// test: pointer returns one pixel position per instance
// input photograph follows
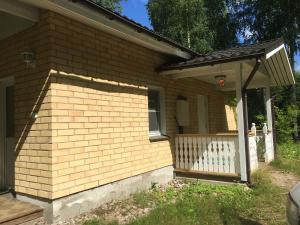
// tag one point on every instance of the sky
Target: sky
(136, 10)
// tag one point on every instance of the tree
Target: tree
(114, 5)
(202, 25)
(268, 19)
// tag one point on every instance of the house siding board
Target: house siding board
(91, 132)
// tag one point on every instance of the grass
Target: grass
(199, 204)
(288, 158)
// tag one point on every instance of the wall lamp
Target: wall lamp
(29, 59)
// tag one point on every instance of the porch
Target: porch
(231, 153)
(218, 154)
(13, 211)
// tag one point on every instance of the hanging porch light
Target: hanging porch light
(220, 79)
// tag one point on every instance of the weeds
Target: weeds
(198, 204)
(288, 158)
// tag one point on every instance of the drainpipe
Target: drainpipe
(245, 115)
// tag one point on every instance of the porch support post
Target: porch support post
(240, 122)
(268, 107)
(268, 102)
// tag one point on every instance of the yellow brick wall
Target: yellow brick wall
(100, 108)
(33, 137)
(230, 109)
(90, 91)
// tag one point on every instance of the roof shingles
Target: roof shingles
(231, 54)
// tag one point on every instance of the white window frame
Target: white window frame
(162, 130)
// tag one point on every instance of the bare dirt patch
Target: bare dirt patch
(282, 179)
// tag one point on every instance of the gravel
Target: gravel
(121, 211)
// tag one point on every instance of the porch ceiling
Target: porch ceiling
(15, 17)
(275, 69)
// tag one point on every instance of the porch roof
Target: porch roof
(275, 64)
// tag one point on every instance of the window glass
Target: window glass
(154, 112)
(10, 120)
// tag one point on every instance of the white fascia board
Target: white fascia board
(19, 9)
(200, 68)
(289, 66)
(95, 19)
(271, 53)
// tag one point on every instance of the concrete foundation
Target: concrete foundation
(73, 205)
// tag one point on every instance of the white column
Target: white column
(240, 121)
(268, 107)
(269, 136)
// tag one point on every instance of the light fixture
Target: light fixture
(220, 79)
(29, 59)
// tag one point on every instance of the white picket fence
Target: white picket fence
(212, 153)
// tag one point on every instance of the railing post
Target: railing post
(253, 129)
(265, 129)
(268, 145)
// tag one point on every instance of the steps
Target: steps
(13, 211)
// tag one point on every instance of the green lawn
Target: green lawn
(288, 158)
(199, 203)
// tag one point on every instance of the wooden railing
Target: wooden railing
(208, 153)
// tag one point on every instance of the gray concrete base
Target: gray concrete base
(73, 205)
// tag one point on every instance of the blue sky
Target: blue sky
(136, 10)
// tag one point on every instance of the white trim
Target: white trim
(162, 111)
(19, 9)
(273, 52)
(289, 65)
(93, 18)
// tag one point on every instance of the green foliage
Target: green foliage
(98, 222)
(256, 107)
(202, 25)
(288, 157)
(142, 199)
(286, 110)
(284, 123)
(200, 203)
(114, 5)
(92, 222)
(265, 20)
(261, 150)
(268, 19)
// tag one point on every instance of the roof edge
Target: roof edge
(139, 28)
(212, 63)
(275, 43)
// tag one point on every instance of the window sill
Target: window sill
(158, 138)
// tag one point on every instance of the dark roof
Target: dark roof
(138, 27)
(231, 54)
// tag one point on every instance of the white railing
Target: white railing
(209, 153)
(253, 152)
(264, 141)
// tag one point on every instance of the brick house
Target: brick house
(92, 105)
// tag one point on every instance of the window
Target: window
(156, 111)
